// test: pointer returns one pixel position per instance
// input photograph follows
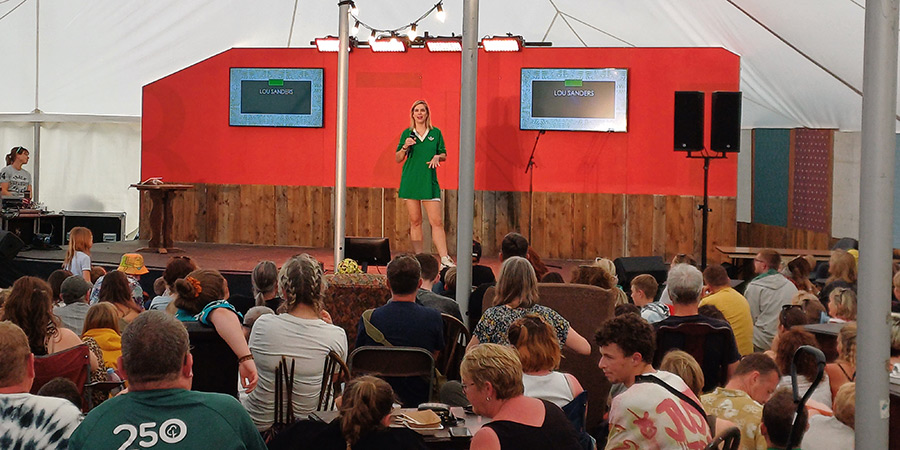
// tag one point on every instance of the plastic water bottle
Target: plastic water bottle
(111, 375)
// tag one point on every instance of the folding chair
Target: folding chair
(456, 337)
(334, 375)
(395, 362)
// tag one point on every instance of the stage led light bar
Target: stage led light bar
(444, 45)
(502, 44)
(388, 45)
(328, 44)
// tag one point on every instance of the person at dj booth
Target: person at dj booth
(15, 182)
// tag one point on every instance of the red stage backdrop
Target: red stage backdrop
(186, 136)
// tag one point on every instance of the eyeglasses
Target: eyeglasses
(465, 386)
(787, 307)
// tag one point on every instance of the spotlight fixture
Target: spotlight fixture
(507, 43)
(441, 15)
(388, 44)
(444, 44)
(355, 29)
(411, 33)
(328, 44)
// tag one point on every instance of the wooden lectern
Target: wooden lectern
(161, 215)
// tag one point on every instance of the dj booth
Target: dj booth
(53, 228)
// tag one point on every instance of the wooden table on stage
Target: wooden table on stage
(161, 215)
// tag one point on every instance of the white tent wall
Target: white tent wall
(845, 184)
(745, 177)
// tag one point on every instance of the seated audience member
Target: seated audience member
(841, 274)
(628, 308)
(741, 400)
(766, 294)
(681, 258)
(843, 305)
(19, 427)
(538, 348)
(74, 293)
(626, 350)
(895, 339)
(264, 279)
(601, 273)
(199, 297)
(403, 323)
(30, 309)
(159, 287)
(778, 416)
(250, 318)
(102, 326)
(790, 316)
(720, 354)
(449, 288)
(157, 362)
(63, 388)
(115, 290)
(132, 265)
(798, 271)
(788, 343)
(96, 273)
(513, 244)
(517, 295)
(55, 281)
(810, 305)
(363, 423)
(643, 291)
(481, 274)
(553, 277)
(843, 369)
(424, 295)
(303, 333)
(712, 312)
(827, 433)
(492, 381)
(177, 267)
(732, 304)
(895, 299)
(540, 269)
(684, 365)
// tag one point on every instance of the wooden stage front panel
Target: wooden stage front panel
(559, 225)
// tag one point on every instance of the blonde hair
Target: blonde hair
(842, 266)
(517, 280)
(685, 366)
(412, 121)
(80, 240)
(536, 342)
(301, 281)
(365, 402)
(810, 305)
(845, 404)
(847, 338)
(102, 315)
(264, 279)
(495, 364)
(843, 301)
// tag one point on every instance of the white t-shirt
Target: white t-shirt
(80, 262)
(18, 180)
(52, 421)
(552, 387)
(308, 342)
(827, 433)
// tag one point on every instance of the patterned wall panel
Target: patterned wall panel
(811, 179)
(771, 176)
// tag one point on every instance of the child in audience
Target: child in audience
(643, 291)
(78, 255)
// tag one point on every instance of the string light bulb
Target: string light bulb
(355, 30)
(354, 10)
(441, 15)
(411, 34)
(372, 38)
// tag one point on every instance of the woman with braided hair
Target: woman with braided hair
(199, 297)
(303, 333)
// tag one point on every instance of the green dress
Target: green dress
(418, 181)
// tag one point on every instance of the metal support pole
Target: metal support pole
(467, 107)
(704, 231)
(340, 155)
(36, 136)
(879, 110)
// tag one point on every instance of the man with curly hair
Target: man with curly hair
(649, 414)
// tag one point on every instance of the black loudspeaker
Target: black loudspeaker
(10, 244)
(688, 121)
(629, 267)
(725, 127)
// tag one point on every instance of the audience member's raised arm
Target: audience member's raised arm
(229, 328)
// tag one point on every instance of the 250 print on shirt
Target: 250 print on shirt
(171, 431)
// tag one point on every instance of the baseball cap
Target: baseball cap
(73, 288)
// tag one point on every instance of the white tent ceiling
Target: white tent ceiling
(95, 55)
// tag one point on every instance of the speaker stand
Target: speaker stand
(704, 207)
(529, 169)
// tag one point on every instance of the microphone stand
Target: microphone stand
(530, 167)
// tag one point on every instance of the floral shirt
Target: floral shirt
(738, 408)
(494, 324)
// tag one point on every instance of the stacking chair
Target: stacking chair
(695, 338)
(456, 337)
(334, 375)
(215, 365)
(729, 439)
(391, 363)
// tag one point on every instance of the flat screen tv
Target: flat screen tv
(275, 97)
(574, 99)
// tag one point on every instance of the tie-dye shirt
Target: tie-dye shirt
(31, 421)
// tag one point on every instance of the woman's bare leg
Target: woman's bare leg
(413, 207)
(438, 236)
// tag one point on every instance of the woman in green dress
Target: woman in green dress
(421, 150)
